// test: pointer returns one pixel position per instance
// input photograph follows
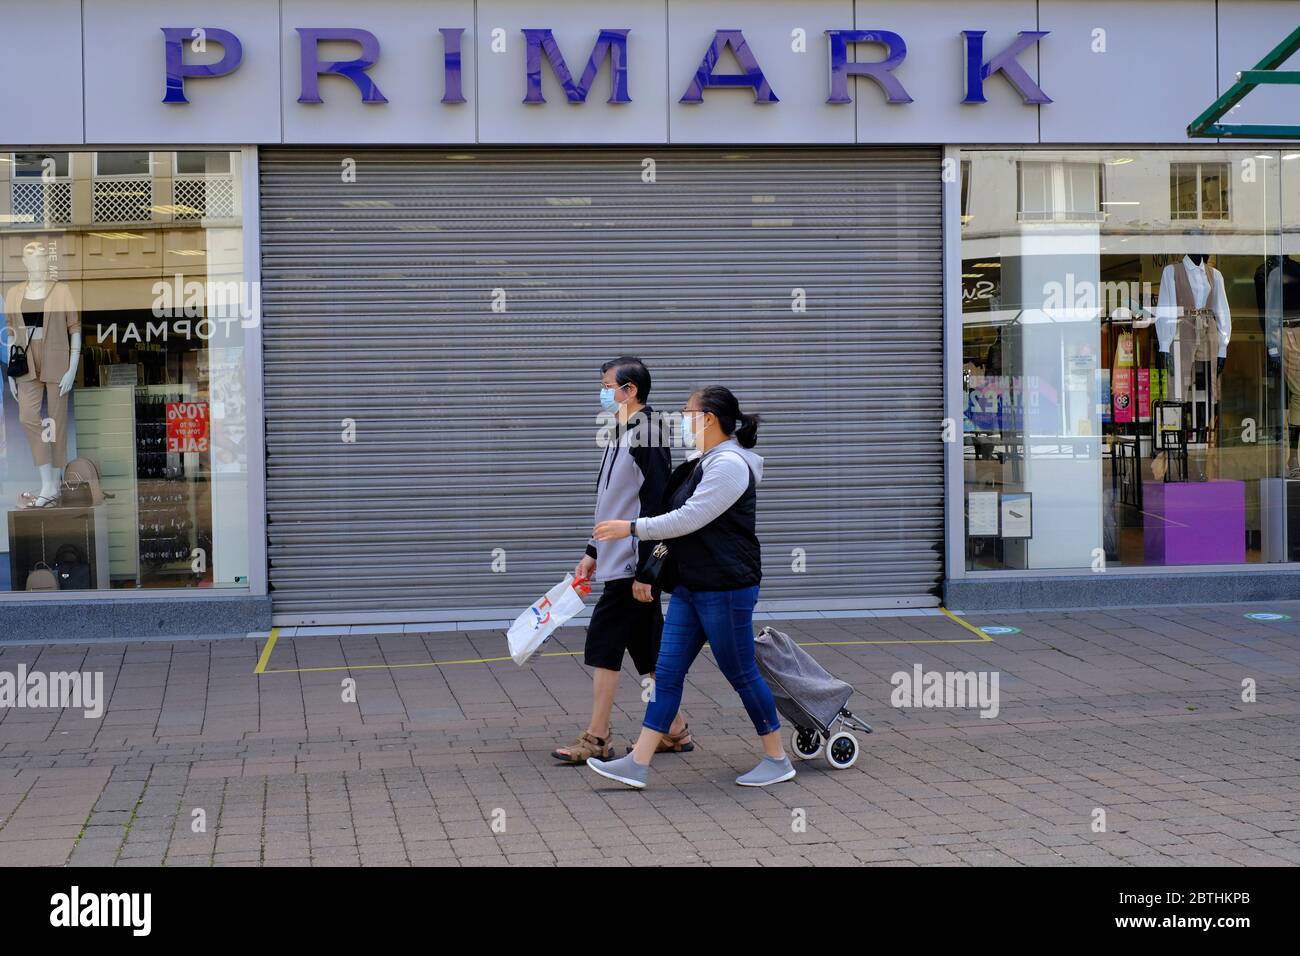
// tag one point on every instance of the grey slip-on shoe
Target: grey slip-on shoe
(768, 772)
(625, 770)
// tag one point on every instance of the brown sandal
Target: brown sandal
(676, 743)
(587, 745)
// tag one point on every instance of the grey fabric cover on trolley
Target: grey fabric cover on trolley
(799, 684)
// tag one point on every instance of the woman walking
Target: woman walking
(709, 532)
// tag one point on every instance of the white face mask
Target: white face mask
(690, 436)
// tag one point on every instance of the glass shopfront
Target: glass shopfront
(123, 460)
(1131, 357)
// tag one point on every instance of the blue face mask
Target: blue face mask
(607, 400)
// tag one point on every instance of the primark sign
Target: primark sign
(336, 73)
(193, 54)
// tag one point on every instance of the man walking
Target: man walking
(628, 616)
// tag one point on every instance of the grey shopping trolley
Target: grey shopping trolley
(810, 698)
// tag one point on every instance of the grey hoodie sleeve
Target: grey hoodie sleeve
(726, 476)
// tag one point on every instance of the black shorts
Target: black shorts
(622, 623)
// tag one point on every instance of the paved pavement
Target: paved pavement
(1137, 713)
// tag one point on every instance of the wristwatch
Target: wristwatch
(632, 530)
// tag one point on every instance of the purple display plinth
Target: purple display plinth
(1194, 522)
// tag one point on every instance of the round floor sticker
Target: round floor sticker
(1267, 616)
(999, 629)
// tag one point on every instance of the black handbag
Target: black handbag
(18, 366)
(658, 570)
(71, 569)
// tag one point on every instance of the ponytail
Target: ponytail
(747, 430)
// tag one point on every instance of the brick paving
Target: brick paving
(1137, 712)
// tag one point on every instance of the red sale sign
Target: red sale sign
(187, 427)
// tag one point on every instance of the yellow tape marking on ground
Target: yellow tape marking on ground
(266, 651)
(986, 638)
(936, 640)
(980, 638)
(393, 667)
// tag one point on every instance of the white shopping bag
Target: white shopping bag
(534, 626)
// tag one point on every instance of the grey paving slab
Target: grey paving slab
(1134, 716)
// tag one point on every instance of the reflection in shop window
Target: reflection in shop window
(203, 187)
(965, 191)
(122, 188)
(1060, 192)
(123, 461)
(41, 190)
(1199, 190)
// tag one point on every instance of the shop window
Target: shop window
(1059, 192)
(1131, 382)
(1199, 190)
(122, 443)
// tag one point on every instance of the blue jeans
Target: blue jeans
(725, 619)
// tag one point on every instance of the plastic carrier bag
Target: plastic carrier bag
(531, 629)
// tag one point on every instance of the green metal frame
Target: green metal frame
(1265, 71)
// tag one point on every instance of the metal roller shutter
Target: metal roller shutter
(475, 429)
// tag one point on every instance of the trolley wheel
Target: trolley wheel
(806, 744)
(842, 750)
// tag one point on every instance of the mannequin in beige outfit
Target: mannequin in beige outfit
(53, 355)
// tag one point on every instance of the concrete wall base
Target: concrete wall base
(126, 619)
(1120, 590)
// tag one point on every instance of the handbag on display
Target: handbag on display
(18, 366)
(71, 569)
(75, 494)
(81, 484)
(42, 578)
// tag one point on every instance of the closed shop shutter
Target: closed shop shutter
(434, 332)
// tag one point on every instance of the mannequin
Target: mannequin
(1193, 308)
(1194, 325)
(40, 313)
(1277, 294)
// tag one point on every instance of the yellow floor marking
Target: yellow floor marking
(266, 651)
(970, 627)
(936, 640)
(980, 638)
(393, 667)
